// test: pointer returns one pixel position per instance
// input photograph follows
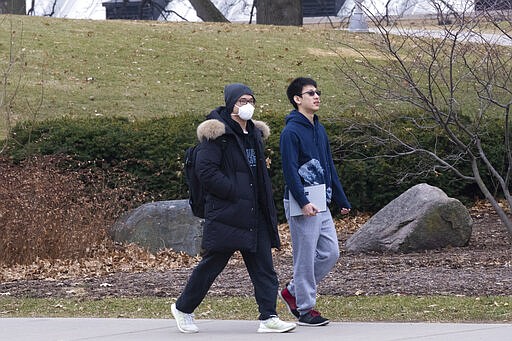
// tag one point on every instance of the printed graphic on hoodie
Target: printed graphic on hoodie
(251, 156)
(313, 174)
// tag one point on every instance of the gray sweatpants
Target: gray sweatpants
(315, 252)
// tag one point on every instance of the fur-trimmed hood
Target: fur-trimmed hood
(214, 128)
(223, 167)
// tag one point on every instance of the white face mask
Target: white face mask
(245, 112)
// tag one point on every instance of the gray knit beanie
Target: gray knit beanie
(232, 92)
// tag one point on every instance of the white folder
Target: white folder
(315, 195)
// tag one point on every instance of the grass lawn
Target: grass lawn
(355, 308)
(142, 69)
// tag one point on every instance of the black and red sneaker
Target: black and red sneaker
(289, 301)
(312, 318)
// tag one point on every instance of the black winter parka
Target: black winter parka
(231, 217)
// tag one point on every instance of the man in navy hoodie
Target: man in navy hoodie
(307, 161)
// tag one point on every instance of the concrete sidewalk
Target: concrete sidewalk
(72, 329)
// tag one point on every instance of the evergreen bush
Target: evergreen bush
(152, 151)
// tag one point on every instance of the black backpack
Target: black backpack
(197, 194)
(195, 188)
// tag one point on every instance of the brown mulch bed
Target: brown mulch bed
(482, 268)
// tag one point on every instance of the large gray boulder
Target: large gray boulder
(421, 218)
(160, 225)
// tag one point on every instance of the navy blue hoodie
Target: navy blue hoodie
(307, 160)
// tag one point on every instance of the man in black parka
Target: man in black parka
(239, 210)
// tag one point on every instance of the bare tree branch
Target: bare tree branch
(207, 11)
(458, 79)
(12, 73)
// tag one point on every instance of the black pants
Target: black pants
(259, 266)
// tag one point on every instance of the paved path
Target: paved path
(489, 38)
(72, 329)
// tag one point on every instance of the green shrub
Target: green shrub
(373, 182)
(152, 151)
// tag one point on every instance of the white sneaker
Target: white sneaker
(185, 322)
(275, 325)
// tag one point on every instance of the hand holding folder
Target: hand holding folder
(315, 194)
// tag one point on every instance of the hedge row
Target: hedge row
(152, 150)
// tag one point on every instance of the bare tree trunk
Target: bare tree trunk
(387, 13)
(207, 11)
(492, 200)
(31, 10)
(279, 12)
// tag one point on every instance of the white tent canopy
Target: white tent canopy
(76, 9)
(239, 10)
(93, 9)
(406, 7)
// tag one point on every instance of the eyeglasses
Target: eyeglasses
(244, 101)
(312, 93)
